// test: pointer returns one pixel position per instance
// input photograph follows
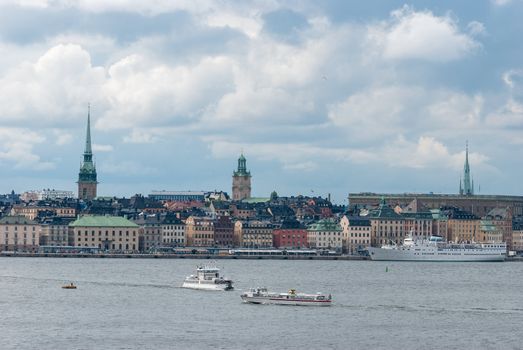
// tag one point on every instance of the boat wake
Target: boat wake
(87, 282)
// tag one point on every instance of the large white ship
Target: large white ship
(435, 249)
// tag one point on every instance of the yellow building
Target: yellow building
(325, 234)
(517, 237)
(199, 232)
(253, 234)
(356, 233)
(489, 232)
(112, 233)
(18, 233)
(386, 225)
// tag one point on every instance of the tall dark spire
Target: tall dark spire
(88, 149)
(88, 169)
(467, 184)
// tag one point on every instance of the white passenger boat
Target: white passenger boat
(263, 296)
(435, 249)
(207, 278)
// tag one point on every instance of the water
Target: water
(137, 304)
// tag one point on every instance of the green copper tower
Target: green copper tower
(87, 180)
(241, 181)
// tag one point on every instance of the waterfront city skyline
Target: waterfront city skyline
(322, 99)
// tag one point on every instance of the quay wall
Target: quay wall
(179, 256)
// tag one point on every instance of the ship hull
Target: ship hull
(380, 254)
(279, 301)
(206, 286)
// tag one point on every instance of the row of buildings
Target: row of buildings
(288, 222)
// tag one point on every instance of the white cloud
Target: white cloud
(510, 114)
(102, 148)
(385, 111)
(54, 89)
(422, 35)
(427, 152)
(16, 148)
(142, 92)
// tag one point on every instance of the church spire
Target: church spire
(87, 179)
(467, 185)
(88, 149)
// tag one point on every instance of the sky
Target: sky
(322, 97)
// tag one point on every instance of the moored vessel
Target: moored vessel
(263, 296)
(435, 249)
(207, 278)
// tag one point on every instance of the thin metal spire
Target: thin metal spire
(88, 149)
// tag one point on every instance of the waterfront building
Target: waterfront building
(150, 232)
(106, 232)
(224, 231)
(325, 234)
(517, 235)
(241, 181)
(356, 233)
(18, 233)
(199, 231)
(253, 234)
(386, 225)
(418, 224)
(290, 234)
(489, 232)
(462, 226)
(55, 231)
(87, 178)
(440, 224)
(502, 219)
(173, 231)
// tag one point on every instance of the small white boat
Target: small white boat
(207, 278)
(263, 296)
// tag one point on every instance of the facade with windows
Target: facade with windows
(290, 234)
(55, 231)
(325, 234)
(199, 232)
(173, 232)
(253, 234)
(18, 233)
(112, 233)
(356, 233)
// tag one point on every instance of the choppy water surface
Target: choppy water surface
(137, 304)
